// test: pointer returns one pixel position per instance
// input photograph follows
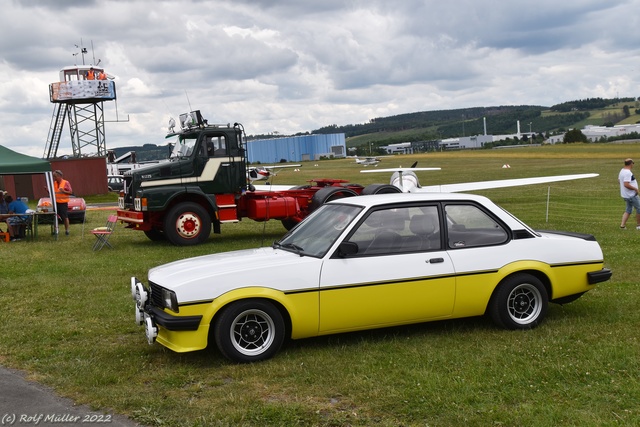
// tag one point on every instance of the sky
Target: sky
(289, 66)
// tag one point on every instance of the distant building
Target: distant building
(466, 142)
(297, 148)
(597, 133)
(401, 148)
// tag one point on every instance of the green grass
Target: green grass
(67, 321)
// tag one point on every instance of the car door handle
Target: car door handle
(435, 260)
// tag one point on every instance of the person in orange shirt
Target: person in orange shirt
(91, 75)
(63, 190)
(102, 75)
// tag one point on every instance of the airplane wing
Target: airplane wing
(503, 183)
(391, 170)
(281, 166)
(273, 187)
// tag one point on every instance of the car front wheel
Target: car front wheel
(520, 302)
(249, 331)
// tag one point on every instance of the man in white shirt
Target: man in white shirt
(629, 192)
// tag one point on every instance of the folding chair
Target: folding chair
(103, 233)
(25, 224)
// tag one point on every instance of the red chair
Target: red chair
(103, 233)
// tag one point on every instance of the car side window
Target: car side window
(398, 230)
(469, 226)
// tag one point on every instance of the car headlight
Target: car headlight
(169, 300)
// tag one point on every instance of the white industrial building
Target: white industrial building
(596, 133)
(401, 148)
(478, 141)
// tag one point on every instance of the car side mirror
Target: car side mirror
(347, 248)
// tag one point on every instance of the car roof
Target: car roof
(385, 199)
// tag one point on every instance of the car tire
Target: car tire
(249, 331)
(519, 302)
(187, 224)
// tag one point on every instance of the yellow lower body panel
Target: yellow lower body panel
(301, 308)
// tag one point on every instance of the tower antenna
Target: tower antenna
(189, 102)
(83, 51)
(93, 54)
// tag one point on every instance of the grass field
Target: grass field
(67, 321)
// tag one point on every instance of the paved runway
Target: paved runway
(26, 403)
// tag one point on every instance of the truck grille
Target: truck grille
(128, 195)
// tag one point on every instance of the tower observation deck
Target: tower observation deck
(78, 99)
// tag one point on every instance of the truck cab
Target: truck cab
(181, 198)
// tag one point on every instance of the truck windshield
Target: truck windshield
(183, 146)
(318, 232)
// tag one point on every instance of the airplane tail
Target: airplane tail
(406, 180)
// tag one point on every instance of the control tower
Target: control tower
(78, 99)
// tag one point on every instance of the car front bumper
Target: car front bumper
(155, 319)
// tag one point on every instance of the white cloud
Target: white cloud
(295, 65)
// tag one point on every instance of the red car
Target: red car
(77, 208)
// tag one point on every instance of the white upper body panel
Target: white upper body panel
(207, 277)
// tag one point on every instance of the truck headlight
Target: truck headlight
(169, 300)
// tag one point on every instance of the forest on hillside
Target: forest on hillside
(464, 122)
(441, 124)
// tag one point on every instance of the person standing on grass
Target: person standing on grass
(63, 190)
(629, 192)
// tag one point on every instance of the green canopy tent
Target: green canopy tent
(13, 163)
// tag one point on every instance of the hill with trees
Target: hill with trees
(442, 124)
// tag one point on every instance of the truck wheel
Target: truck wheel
(519, 302)
(289, 223)
(155, 235)
(249, 331)
(187, 224)
(380, 189)
(328, 194)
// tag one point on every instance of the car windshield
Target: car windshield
(183, 146)
(318, 232)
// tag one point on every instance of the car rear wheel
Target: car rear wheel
(249, 331)
(520, 302)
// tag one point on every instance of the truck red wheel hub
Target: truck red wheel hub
(188, 225)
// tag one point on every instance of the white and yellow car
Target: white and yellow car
(368, 262)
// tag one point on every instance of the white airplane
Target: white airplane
(261, 173)
(407, 181)
(366, 161)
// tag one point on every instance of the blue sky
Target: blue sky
(296, 65)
